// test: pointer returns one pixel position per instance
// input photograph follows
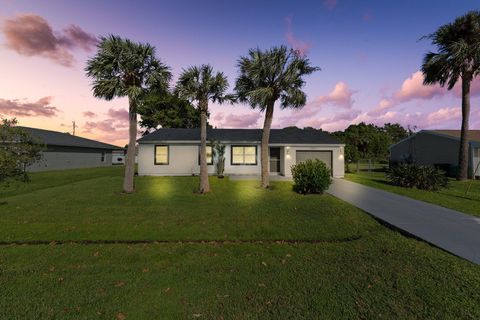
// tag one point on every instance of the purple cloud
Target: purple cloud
(413, 88)
(248, 120)
(31, 35)
(298, 45)
(89, 114)
(341, 97)
(40, 108)
(118, 114)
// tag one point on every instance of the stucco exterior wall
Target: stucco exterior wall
(60, 158)
(183, 160)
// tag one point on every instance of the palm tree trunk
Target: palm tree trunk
(128, 180)
(204, 184)
(265, 140)
(463, 153)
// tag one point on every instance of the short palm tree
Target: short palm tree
(123, 68)
(268, 76)
(201, 85)
(458, 57)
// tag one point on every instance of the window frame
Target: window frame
(243, 146)
(103, 157)
(208, 163)
(155, 155)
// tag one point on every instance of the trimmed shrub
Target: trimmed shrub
(311, 176)
(416, 176)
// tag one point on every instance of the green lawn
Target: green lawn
(237, 253)
(453, 197)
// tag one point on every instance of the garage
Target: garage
(324, 155)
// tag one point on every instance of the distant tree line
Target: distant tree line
(370, 142)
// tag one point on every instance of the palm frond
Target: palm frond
(276, 73)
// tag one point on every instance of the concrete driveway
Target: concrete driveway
(448, 229)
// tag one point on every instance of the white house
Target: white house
(176, 151)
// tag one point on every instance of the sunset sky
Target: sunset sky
(369, 53)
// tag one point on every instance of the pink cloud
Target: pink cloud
(443, 118)
(31, 35)
(89, 114)
(413, 88)
(118, 114)
(337, 121)
(107, 130)
(442, 115)
(330, 4)
(218, 117)
(104, 125)
(340, 96)
(40, 108)
(247, 120)
(298, 45)
(113, 129)
(74, 36)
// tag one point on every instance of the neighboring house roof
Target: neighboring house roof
(473, 135)
(288, 135)
(54, 138)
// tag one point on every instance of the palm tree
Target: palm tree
(123, 68)
(201, 85)
(267, 76)
(458, 57)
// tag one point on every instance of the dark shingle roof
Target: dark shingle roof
(289, 135)
(473, 135)
(54, 138)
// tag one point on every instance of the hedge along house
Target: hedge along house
(438, 148)
(65, 151)
(177, 151)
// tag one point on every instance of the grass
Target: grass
(453, 197)
(239, 252)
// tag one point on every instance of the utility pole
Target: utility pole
(74, 126)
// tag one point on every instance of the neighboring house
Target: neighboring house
(177, 151)
(439, 148)
(65, 151)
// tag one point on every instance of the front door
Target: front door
(275, 160)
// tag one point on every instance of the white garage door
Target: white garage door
(325, 156)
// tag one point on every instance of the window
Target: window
(209, 155)
(103, 157)
(161, 155)
(244, 155)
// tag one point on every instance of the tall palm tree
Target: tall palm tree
(123, 68)
(458, 57)
(201, 85)
(268, 76)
